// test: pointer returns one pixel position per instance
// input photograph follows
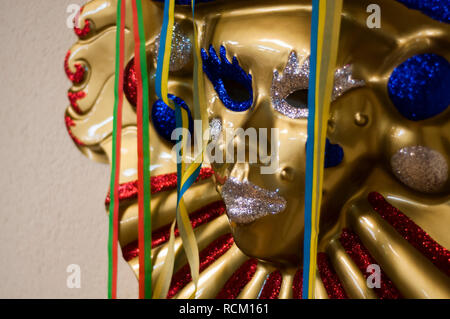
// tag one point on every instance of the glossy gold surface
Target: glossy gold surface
(401, 262)
(351, 277)
(261, 34)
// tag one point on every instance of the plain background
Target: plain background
(52, 210)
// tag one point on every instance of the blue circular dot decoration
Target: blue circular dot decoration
(419, 87)
(334, 154)
(163, 117)
(436, 9)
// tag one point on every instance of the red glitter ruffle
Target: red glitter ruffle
(130, 83)
(81, 33)
(238, 280)
(362, 258)
(207, 256)
(85, 31)
(160, 183)
(77, 76)
(272, 286)
(329, 278)
(297, 285)
(161, 235)
(70, 123)
(411, 232)
(74, 97)
(87, 26)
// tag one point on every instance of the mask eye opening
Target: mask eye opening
(298, 99)
(289, 89)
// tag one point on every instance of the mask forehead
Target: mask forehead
(257, 37)
(262, 37)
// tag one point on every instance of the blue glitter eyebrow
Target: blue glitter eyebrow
(218, 68)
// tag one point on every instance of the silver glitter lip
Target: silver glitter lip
(247, 202)
(296, 77)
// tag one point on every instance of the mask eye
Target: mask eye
(236, 90)
(290, 88)
(231, 82)
(298, 99)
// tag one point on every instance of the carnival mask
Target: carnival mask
(386, 190)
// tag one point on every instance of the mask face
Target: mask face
(257, 77)
(267, 222)
(388, 134)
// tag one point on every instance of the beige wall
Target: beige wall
(51, 197)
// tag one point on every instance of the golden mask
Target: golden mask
(386, 189)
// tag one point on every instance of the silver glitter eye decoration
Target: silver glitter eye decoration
(181, 53)
(344, 81)
(290, 88)
(293, 78)
(420, 168)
